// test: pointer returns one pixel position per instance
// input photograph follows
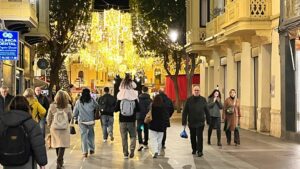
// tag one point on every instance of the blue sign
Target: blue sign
(9, 45)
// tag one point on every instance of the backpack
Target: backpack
(102, 102)
(127, 107)
(60, 120)
(15, 148)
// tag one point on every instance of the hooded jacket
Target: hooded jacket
(15, 118)
(144, 105)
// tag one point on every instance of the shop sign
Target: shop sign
(9, 45)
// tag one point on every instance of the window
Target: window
(297, 44)
(204, 12)
(20, 62)
(292, 8)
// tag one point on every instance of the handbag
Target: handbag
(183, 134)
(97, 114)
(230, 110)
(72, 128)
(148, 117)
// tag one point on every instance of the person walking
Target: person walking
(37, 110)
(5, 98)
(144, 105)
(231, 116)
(19, 115)
(214, 106)
(84, 113)
(170, 110)
(43, 100)
(194, 114)
(107, 104)
(158, 124)
(58, 118)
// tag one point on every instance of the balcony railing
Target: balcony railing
(196, 35)
(19, 10)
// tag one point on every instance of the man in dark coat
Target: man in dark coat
(170, 110)
(194, 113)
(107, 104)
(144, 105)
(43, 100)
(5, 98)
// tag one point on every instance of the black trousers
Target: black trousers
(139, 132)
(163, 143)
(60, 156)
(236, 136)
(197, 138)
(215, 123)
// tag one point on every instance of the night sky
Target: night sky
(105, 4)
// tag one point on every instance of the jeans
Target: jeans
(87, 138)
(197, 138)
(139, 131)
(125, 129)
(107, 126)
(156, 140)
(215, 121)
(42, 124)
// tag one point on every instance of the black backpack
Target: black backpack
(15, 148)
(102, 102)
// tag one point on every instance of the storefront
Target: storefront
(289, 29)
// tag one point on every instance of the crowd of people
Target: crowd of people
(142, 117)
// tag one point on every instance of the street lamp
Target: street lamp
(173, 35)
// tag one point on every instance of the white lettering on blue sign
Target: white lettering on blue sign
(9, 45)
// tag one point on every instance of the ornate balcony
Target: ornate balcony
(19, 12)
(195, 39)
(241, 17)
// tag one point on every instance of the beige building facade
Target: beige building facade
(31, 20)
(240, 43)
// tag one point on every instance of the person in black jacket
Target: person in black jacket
(170, 110)
(158, 125)
(128, 126)
(43, 100)
(107, 104)
(19, 114)
(144, 105)
(5, 98)
(195, 111)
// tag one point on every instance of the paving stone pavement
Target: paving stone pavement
(256, 151)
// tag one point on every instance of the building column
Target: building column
(231, 72)
(203, 77)
(217, 80)
(247, 88)
(264, 97)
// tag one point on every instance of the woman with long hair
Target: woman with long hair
(60, 112)
(19, 113)
(84, 113)
(214, 106)
(232, 115)
(158, 125)
(37, 110)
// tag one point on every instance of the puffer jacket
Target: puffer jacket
(37, 110)
(144, 105)
(15, 118)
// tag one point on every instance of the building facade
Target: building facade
(31, 19)
(240, 41)
(290, 63)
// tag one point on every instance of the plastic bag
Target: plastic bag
(183, 134)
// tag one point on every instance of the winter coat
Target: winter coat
(144, 105)
(110, 104)
(59, 138)
(15, 118)
(127, 92)
(37, 110)
(127, 118)
(195, 111)
(214, 107)
(160, 118)
(85, 112)
(43, 100)
(232, 120)
(4, 103)
(169, 106)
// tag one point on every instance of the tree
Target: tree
(192, 61)
(68, 31)
(152, 21)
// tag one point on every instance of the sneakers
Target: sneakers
(105, 140)
(155, 155)
(92, 152)
(85, 155)
(125, 156)
(140, 147)
(131, 155)
(145, 146)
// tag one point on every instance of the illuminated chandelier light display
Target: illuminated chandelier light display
(111, 46)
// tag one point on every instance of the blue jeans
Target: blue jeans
(87, 137)
(107, 126)
(42, 126)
